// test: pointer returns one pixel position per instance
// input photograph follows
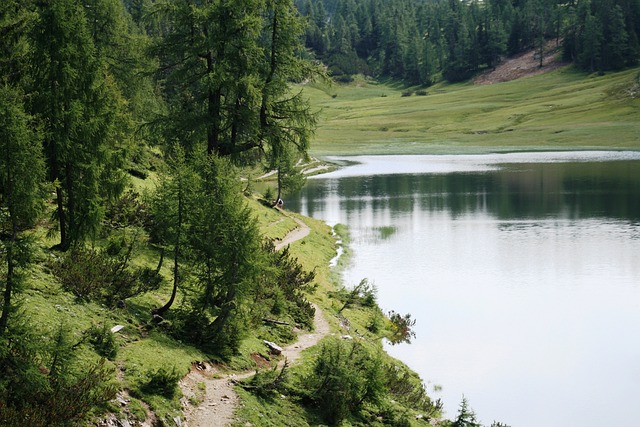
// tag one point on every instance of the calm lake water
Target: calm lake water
(522, 271)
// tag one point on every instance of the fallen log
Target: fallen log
(275, 321)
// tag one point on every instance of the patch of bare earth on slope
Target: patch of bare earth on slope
(523, 65)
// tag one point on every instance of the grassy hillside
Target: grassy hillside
(563, 109)
(145, 361)
(558, 110)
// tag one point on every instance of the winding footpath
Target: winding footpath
(216, 390)
(297, 233)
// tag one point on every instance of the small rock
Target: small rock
(273, 347)
(117, 328)
(121, 400)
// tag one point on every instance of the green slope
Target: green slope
(563, 109)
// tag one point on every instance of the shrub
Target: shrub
(407, 388)
(346, 376)
(421, 92)
(194, 326)
(282, 290)
(401, 328)
(363, 294)
(41, 382)
(94, 275)
(267, 383)
(103, 341)
(162, 382)
(116, 244)
(407, 93)
(128, 210)
(376, 321)
(268, 194)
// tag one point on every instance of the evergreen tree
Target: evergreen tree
(286, 120)
(208, 60)
(79, 106)
(466, 417)
(225, 250)
(590, 44)
(227, 66)
(616, 51)
(21, 195)
(171, 204)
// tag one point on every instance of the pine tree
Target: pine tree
(79, 106)
(286, 119)
(171, 204)
(466, 417)
(21, 195)
(224, 246)
(590, 45)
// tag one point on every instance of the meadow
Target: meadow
(561, 110)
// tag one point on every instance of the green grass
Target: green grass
(563, 109)
(144, 347)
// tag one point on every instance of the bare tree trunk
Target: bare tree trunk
(6, 305)
(176, 263)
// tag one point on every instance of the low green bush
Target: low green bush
(94, 275)
(163, 382)
(103, 341)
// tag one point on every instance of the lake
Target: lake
(522, 271)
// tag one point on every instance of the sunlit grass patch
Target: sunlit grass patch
(563, 109)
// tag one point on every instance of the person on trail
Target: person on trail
(280, 203)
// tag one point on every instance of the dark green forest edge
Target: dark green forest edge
(421, 42)
(132, 241)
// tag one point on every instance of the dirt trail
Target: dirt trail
(215, 389)
(219, 400)
(298, 233)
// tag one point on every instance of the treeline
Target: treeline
(420, 41)
(95, 92)
(97, 81)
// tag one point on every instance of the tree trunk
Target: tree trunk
(6, 305)
(213, 99)
(225, 313)
(161, 260)
(176, 264)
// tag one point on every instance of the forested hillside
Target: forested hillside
(124, 128)
(419, 41)
(129, 245)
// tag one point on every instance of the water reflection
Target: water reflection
(564, 190)
(523, 277)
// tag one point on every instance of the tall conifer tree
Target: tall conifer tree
(78, 104)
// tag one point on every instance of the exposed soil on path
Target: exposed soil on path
(215, 389)
(298, 233)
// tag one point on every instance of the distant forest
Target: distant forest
(420, 40)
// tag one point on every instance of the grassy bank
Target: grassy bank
(145, 360)
(563, 109)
